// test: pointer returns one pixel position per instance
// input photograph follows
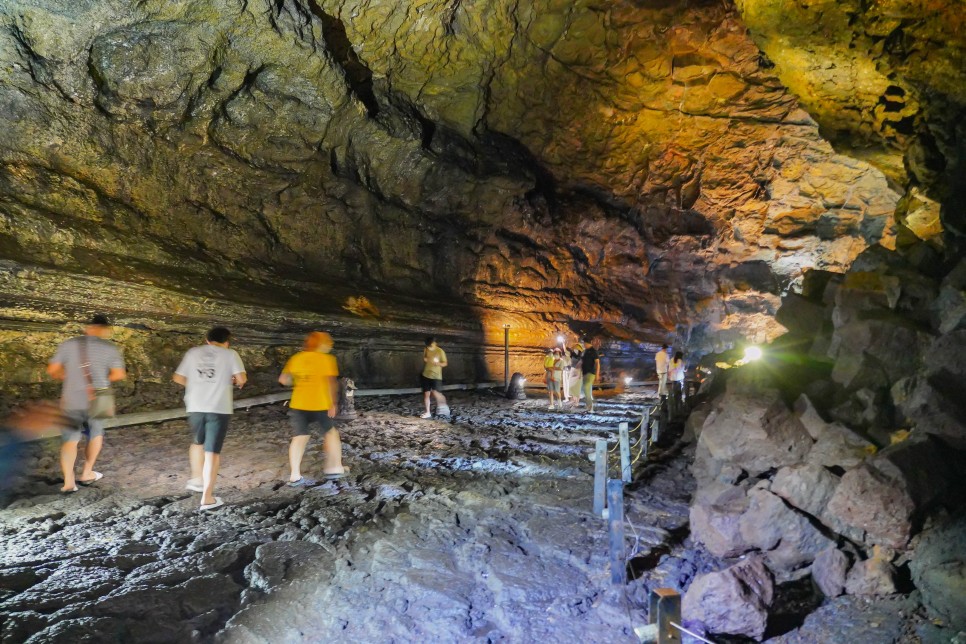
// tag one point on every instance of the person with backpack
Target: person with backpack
(87, 365)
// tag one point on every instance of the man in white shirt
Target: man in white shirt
(660, 364)
(208, 373)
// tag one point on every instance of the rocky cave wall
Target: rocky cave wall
(386, 170)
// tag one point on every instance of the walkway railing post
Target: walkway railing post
(664, 608)
(625, 453)
(600, 477)
(615, 525)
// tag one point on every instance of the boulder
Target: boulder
(806, 487)
(715, 515)
(695, 422)
(829, 570)
(840, 447)
(801, 315)
(787, 537)
(883, 495)
(933, 401)
(835, 445)
(734, 601)
(864, 291)
(874, 576)
(876, 352)
(939, 571)
(755, 431)
(866, 408)
(949, 307)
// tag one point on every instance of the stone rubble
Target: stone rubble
(844, 500)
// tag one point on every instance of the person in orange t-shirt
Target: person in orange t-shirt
(313, 373)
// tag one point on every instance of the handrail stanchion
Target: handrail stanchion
(625, 453)
(615, 524)
(600, 477)
(664, 608)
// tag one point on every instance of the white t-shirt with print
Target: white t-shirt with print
(209, 370)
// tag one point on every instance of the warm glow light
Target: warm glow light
(560, 339)
(752, 353)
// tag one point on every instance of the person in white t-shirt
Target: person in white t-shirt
(676, 372)
(208, 373)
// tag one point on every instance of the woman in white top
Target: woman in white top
(675, 375)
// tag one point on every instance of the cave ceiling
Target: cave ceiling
(646, 167)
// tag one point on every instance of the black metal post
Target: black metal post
(506, 356)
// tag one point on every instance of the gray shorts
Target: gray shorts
(301, 419)
(81, 424)
(209, 429)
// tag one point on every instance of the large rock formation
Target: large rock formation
(386, 169)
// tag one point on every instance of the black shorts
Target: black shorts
(429, 384)
(209, 429)
(301, 419)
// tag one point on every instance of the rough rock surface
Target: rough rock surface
(390, 166)
(829, 570)
(755, 432)
(734, 601)
(903, 65)
(939, 572)
(446, 529)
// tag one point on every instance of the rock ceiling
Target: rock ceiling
(651, 166)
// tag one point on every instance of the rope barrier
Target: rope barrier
(691, 633)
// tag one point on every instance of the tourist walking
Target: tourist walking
(676, 376)
(576, 371)
(660, 365)
(87, 365)
(314, 374)
(590, 365)
(208, 374)
(567, 372)
(549, 361)
(431, 378)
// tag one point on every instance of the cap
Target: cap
(100, 320)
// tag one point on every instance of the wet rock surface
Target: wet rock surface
(478, 528)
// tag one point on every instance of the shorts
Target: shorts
(81, 425)
(301, 419)
(429, 384)
(209, 429)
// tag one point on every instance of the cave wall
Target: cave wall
(388, 170)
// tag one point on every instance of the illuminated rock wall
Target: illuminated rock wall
(389, 169)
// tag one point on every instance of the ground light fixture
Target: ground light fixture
(752, 353)
(628, 380)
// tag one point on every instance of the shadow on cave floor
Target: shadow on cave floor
(478, 528)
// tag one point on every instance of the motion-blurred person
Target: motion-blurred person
(29, 422)
(660, 365)
(86, 364)
(314, 374)
(676, 376)
(559, 365)
(565, 380)
(576, 372)
(431, 378)
(590, 364)
(208, 373)
(549, 361)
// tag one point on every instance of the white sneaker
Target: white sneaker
(427, 415)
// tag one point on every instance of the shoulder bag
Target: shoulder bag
(100, 400)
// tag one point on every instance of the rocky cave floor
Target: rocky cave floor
(474, 529)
